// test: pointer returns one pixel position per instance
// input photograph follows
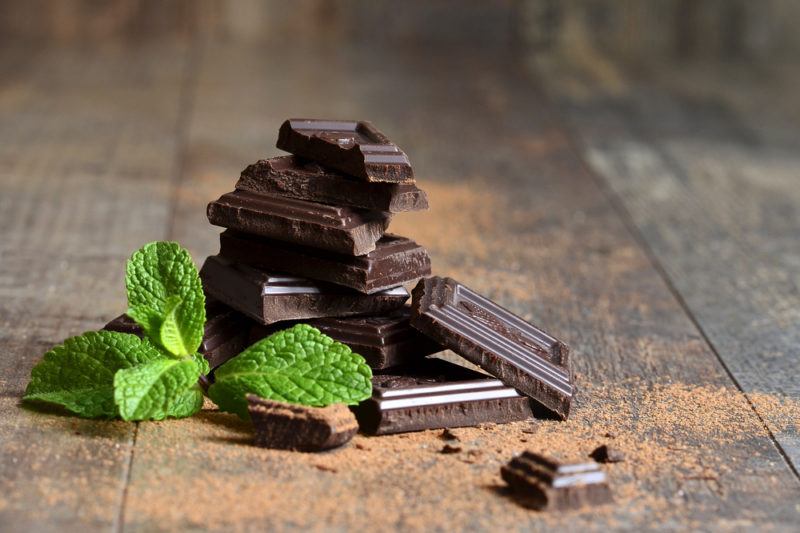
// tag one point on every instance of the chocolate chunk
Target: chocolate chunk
(543, 483)
(449, 448)
(436, 394)
(516, 352)
(305, 180)
(339, 229)
(395, 261)
(356, 148)
(267, 297)
(226, 332)
(606, 454)
(287, 426)
(385, 340)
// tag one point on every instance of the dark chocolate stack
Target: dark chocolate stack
(305, 240)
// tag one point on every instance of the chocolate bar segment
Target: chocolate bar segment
(356, 148)
(299, 178)
(514, 351)
(287, 426)
(543, 483)
(395, 261)
(435, 394)
(269, 297)
(339, 229)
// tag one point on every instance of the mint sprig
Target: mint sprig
(297, 365)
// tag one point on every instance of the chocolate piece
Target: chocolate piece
(268, 297)
(339, 229)
(514, 351)
(354, 147)
(542, 483)
(305, 180)
(606, 454)
(395, 261)
(385, 340)
(226, 333)
(288, 426)
(435, 394)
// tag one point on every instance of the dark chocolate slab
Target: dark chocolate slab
(511, 349)
(395, 261)
(269, 297)
(543, 483)
(435, 394)
(339, 229)
(299, 178)
(356, 148)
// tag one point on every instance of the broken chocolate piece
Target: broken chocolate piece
(339, 229)
(514, 351)
(395, 261)
(288, 426)
(543, 483)
(356, 148)
(305, 180)
(267, 297)
(436, 394)
(606, 454)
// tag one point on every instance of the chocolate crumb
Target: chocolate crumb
(606, 454)
(449, 434)
(326, 468)
(447, 448)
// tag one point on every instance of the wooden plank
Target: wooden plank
(87, 149)
(516, 216)
(708, 174)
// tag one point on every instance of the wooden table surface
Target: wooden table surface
(651, 222)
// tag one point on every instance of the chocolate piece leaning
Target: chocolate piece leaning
(435, 394)
(514, 351)
(385, 341)
(395, 261)
(269, 297)
(356, 148)
(543, 483)
(287, 426)
(299, 178)
(339, 229)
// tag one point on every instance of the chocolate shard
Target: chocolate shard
(356, 148)
(385, 340)
(339, 229)
(607, 454)
(226, 333)
(514, 351)
(436, 394)
(268, 297)
(395, 261)
(299, 178)
(543, 483)
(287, 426)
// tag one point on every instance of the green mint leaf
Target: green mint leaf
(165, 296)
(188, 403)
(297, 365)
(202, 362)
(154, 390)
(79, 374)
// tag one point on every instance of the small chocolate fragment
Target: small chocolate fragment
(436, 394)
(514, 351)
(124, 324)
(606, 454)
(449, 448)
(395, 261)
(267, 297)
(356, 148)
(305, 180)
(543, 483)
(338, 229)
(286, 426)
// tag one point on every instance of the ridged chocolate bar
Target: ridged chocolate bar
(436, 394)
(356, 148)
(511, 349)
(226, 334)
(268, 297)
(299, 178)
(395, 261)
(339, 229)
(543, 483)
